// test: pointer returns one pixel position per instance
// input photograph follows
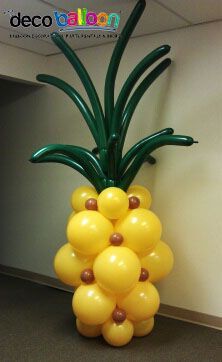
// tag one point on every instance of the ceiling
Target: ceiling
(159, 15)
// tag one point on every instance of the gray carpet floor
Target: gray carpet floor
(37, 324)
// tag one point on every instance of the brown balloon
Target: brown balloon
(119, 315)
(116, 239)
(87, 276)
(144, 275)
(134, 202)
(91, 204)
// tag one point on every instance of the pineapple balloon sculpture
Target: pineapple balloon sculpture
(114, 252)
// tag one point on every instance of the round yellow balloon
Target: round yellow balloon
(117, 334)
(68, 265)
(92, 305)
(143, 328)
(81, 195)
(142, 193)
(141, 230)
(159, 262)
(88, 331)
(117, 269)
(113, 202)
(71, 215)
(88, 232)
(140, 303)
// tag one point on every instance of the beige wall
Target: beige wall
(20, 64)
(185, 183)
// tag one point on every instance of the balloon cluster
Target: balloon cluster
(113, 256)
(114, 252)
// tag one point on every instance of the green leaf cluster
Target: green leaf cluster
(109, 126)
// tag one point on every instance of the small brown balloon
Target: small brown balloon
(91, 204)
(144, 275)
(134, 202)
(116, 239)
(87, 276)
(119, 315)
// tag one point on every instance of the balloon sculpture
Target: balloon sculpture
(114, 252)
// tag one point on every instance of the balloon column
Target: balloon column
(114, 252)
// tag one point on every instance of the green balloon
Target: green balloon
(116, 58)
(151, 145)
(76, 98)
(86, 81)
(137, 95)
(129, 156)
(129, 84)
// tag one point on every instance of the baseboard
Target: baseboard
(165, 310)
(190, 316)
(34, 277)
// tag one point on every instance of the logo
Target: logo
(71, 21)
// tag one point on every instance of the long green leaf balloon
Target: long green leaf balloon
(137, 95)
(129, 156)
(76, 98)
(134, 76)
(86, 81)
(88, 159)
(116, 58)
(65, 160)
(155, 143)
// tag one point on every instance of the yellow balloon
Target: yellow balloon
(141, 230)
(117, 334)
(143, 328)
(140, 303)
(92, 305)
(113, 202)
(159, 262)
(142, 193)
(117, 269)
(86, 330)
(88, 232)
(68, 265)
(81, 195)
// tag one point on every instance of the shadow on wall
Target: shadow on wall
(11, 90)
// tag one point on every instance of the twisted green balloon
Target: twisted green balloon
(137, 95)
(116, 58)
(129, 156)
(86, 81)
(76, 98)
(129, 84)
(151, 145)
